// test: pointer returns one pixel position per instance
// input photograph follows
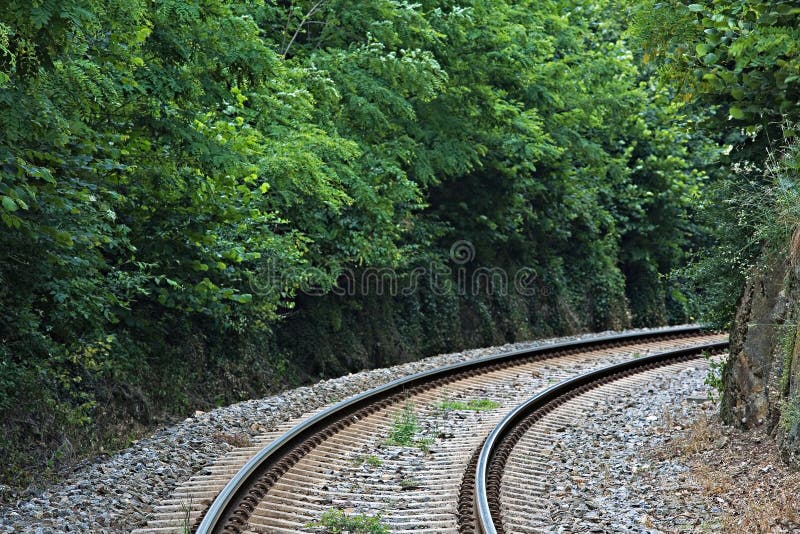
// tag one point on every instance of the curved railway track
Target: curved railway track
(283, 482)
(505, 484)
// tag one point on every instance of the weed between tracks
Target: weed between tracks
(474, 405)
(405, 429)
(338, 521)
(186, 509)
(371, 460)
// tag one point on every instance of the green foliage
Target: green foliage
(714, 377)
(177, 178)
(738, 60)
(405, 428)
(474, 405)
(337, 521)
(741, 56)
(371, 460)
(783, 190)
(753, 210)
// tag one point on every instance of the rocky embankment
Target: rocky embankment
(762, 379)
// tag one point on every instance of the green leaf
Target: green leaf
(702, 49)
(695, 7)
(736, 113)
(242, 298)
(40, 17)
(64, 238)
(9, 204)
(10, 220)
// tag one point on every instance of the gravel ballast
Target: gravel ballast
(603, 475)
(116, 493)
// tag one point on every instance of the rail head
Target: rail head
(219, 512)
(486, 521)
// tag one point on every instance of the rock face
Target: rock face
(762, 378)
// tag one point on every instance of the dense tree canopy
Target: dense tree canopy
(173, 174)
(738, 61)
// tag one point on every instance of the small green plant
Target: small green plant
(337, 521)
(186, 510)
(475, 405)
(424, 444)
(714, 377)
(405, 427)
(371, 460)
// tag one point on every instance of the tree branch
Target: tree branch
(311, 11)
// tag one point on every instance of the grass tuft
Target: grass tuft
(474, 405)
(371, 460)
(405, 428)
(338, 521)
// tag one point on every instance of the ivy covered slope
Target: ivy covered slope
(741, 60)
(176, 177)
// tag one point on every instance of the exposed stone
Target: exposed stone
(762, 377)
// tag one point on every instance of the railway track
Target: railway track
(505, 486)
(289, 477)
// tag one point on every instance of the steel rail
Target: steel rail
(222, 514)
(487, 517)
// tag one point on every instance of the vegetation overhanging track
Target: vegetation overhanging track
(230, 511)
(479, 501)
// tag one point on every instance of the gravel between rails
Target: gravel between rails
(416, 488)
(602, 475)
(116, 494)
